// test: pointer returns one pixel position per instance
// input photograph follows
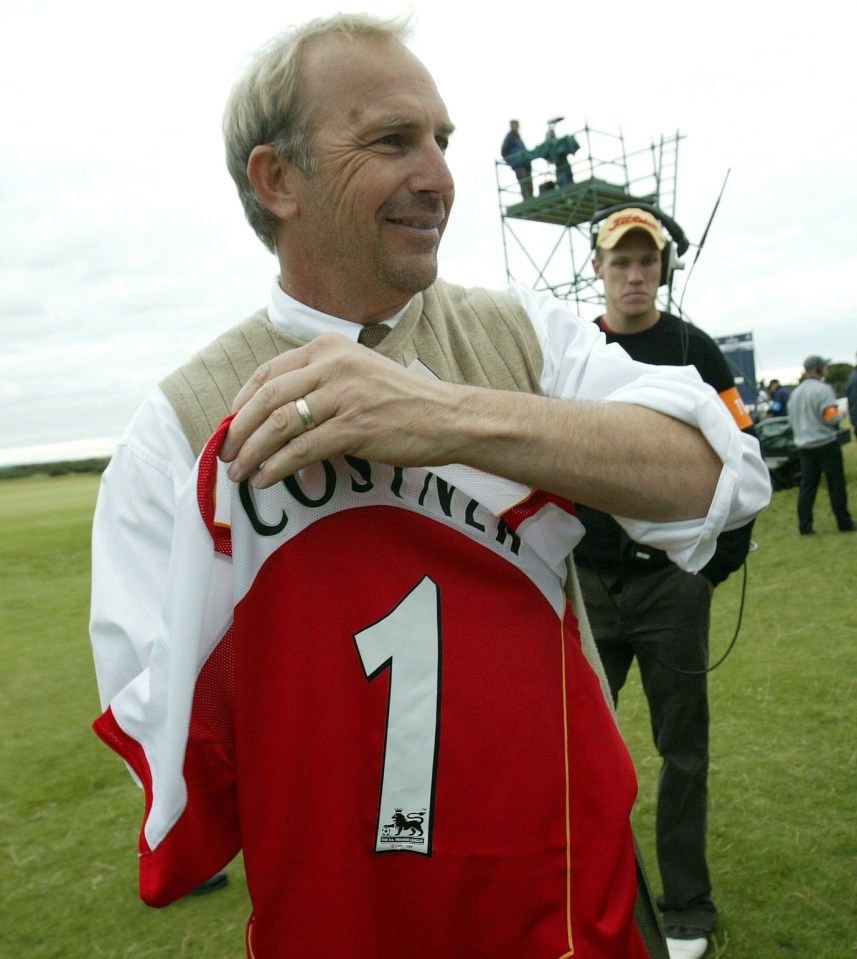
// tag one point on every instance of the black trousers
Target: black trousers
(662, 618)
(825, 459)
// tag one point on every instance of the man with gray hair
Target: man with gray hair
(815, 417)
(334, 618)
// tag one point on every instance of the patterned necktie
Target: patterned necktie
(371, 336)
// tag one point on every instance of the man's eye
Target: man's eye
(391, 140)
(443, 143)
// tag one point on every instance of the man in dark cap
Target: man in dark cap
(815, 417)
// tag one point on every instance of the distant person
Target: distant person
(513, 152)
(851, 394)
(340, 639)
(779, 395)
(642, 605)
(558, 156)
(815, 418)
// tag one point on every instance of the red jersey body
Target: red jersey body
(400, 730)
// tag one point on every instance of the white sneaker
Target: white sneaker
(687, 948)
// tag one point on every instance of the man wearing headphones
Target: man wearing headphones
(639, 602)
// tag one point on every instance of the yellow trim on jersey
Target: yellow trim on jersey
(248, 937)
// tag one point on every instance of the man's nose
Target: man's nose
(431, 172)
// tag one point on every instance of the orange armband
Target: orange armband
(735, 405)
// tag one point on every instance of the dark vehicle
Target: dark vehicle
(779, 451)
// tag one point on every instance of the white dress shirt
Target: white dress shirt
(134, 517)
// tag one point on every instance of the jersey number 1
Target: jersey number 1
(407, 641)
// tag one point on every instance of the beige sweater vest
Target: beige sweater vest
(462, 335)
(471, 335)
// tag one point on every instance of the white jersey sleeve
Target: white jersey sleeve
(580, 365)
(131, 542)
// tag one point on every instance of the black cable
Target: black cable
(729, 648)
(657, 659)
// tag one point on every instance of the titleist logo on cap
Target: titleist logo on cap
(622, 219)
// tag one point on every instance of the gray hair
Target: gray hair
(266, 107)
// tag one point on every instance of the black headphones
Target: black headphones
(670, 253)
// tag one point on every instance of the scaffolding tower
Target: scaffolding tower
(603, 173)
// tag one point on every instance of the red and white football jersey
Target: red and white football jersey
(369, 679)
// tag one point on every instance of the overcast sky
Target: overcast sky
(124, 247)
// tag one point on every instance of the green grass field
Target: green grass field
(783, 828)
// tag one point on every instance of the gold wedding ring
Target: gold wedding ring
(305, 414)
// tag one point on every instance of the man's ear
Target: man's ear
(272, 177)
(596, 265)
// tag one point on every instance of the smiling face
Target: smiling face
(631, 273)
(366, 226)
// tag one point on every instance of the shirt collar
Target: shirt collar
(304, 323)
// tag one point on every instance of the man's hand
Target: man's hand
(362, 403)
(620, 458)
